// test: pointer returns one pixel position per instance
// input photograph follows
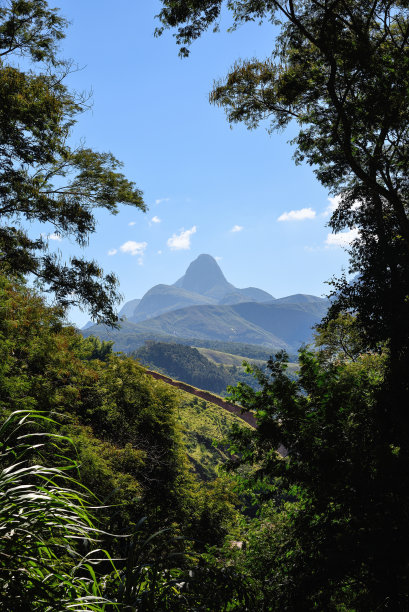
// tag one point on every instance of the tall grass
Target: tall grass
(44, 525)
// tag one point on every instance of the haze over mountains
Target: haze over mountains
(204, 305)
(203, 283)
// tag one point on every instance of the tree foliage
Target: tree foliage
(123, 423)
(339, 70)
(334, 534)
(126, 443)
(339, 338)
(43, 177)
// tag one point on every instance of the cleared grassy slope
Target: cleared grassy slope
(227, 359)
(204, 427)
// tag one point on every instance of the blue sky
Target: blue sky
(232, 193)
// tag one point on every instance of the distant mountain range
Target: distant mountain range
(203, 284)
(203, 305)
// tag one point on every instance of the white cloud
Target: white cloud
(298, 215)
(342, 239)
(334, 203)
(160, 200)
(236, 228)
(159, 252)
(112, 251)
(332, 206)
(132, 223)
(218, 258)
(134, 248)
(181, 242)
(56, 237)
(156, 219)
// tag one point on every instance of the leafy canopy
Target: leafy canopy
(42, 176)
(126, 434)
(339, 69)
(339, 536)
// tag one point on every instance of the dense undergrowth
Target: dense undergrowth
(120, 431)
(121, 446)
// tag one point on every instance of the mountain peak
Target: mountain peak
(204, 276)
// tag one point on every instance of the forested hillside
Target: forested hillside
(191, 366)
(184, 363)
(140, 447)
(205, 427)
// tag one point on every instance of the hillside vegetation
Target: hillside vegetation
(140, 446)
(189, 365)
(204, 428)
(229, 359)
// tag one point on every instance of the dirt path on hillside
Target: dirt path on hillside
(209, 397)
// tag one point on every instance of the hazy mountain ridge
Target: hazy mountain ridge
(128, 308)
(282, 326)
(203, 305)
(203, 283)
(164, 298)
(246, 295)
(302, 298)
(215, 322)
(291, 322)
(205, 276)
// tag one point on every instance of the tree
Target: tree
(339, 69)
(42, 177)
(339, 338)
(340, 504)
